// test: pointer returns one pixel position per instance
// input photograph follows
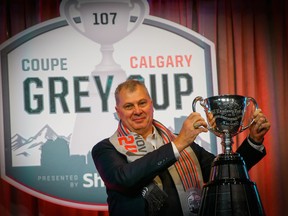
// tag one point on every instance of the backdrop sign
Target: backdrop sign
(57, 85)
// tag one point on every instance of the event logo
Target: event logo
(57, 85)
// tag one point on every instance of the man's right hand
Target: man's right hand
(191, 128)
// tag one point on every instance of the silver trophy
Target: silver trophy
(229, 191)
(226, 115)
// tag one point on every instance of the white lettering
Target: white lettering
(92, 180)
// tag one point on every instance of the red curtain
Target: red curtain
(251, 39)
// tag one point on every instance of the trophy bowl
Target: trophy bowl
(227, 115)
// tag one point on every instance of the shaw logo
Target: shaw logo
(57, 85)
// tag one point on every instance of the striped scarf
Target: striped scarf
(185, 166)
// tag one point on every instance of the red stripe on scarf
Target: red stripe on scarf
(191, 166)
(122, 131)
(185, 165)
(165, 134)
(181, 172)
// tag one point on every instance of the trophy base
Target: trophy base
(230, 191)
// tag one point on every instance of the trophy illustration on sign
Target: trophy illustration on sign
(104, 22)
(229, 190)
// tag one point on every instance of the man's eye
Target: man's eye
(128, 107)
(142, 103)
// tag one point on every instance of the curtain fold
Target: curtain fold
(250, 38)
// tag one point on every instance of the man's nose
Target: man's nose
(137, 110)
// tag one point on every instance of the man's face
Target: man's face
(135, 109)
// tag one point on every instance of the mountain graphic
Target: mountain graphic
(28, 152)
(17, 141)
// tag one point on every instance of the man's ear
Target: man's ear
(116, 114)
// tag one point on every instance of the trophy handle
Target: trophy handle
(203, 104)
(64, 9)
(198, 98)
(250, 99)
(144, 10)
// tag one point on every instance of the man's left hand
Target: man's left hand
(259, 127)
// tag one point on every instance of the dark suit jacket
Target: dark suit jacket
(124, 181)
